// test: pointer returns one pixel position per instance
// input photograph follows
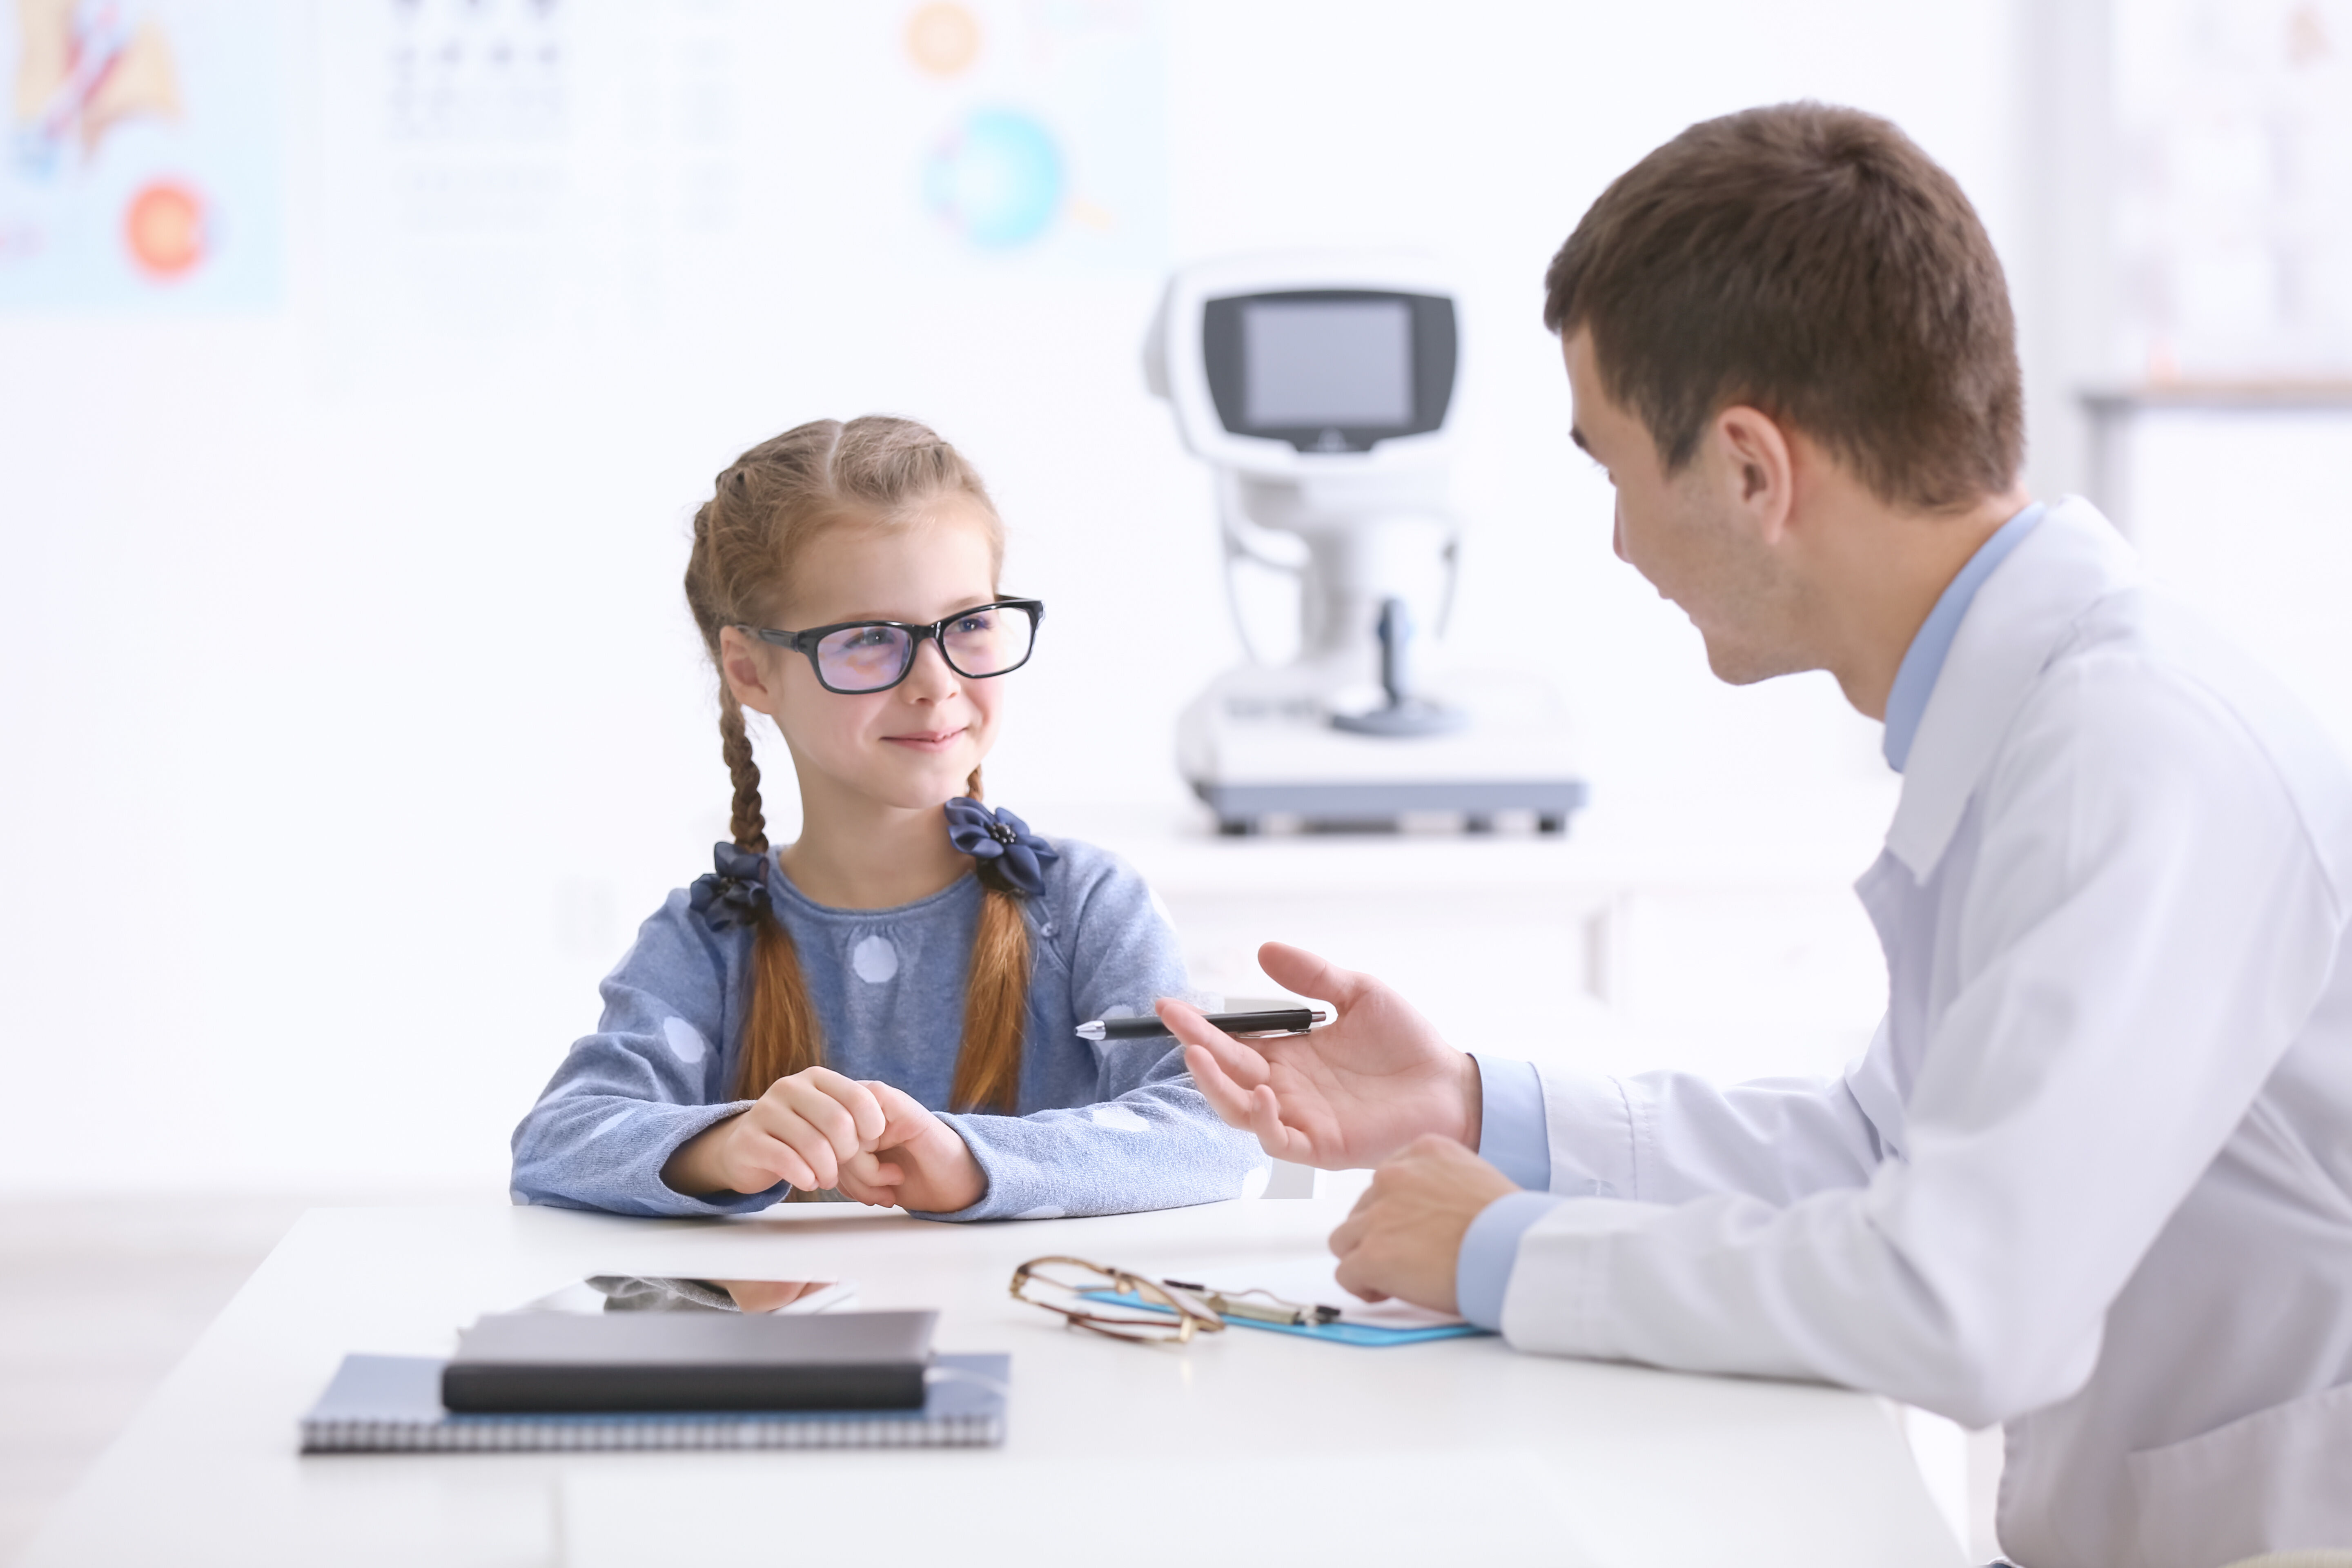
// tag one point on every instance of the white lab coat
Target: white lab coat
(2092, 1178)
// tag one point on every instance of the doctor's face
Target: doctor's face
(1681, 532)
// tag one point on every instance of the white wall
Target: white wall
(2244, 513)
(352, 716)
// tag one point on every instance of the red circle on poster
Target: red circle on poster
(165, 227)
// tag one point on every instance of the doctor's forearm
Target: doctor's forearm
(1730, 1285)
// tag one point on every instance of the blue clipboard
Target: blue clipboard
(1366, 1334)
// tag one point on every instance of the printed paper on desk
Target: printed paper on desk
(1314, 1282)
(1309, 1283)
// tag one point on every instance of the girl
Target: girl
(886, 1008)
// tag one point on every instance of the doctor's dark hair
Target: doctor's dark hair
(871, 473)
(1813, 262)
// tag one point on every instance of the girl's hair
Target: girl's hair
(769, 504)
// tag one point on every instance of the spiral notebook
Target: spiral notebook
(386, 1404)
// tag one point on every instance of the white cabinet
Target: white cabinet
(1618, 949)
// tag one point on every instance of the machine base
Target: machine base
(1409, 720)
(1260, 744)
(1243, 808)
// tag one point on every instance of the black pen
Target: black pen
(1275, 1021)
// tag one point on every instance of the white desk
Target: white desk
(1246, 1448)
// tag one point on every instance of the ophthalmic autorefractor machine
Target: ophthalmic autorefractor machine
(1317, 389)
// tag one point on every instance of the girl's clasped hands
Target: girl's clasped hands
(819, 1129)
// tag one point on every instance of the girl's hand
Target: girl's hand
(802, 1131)
(919, 1163)
(768, 1295)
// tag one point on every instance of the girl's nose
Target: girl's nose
(930, 679)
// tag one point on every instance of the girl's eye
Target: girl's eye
(971, 623)
(872, 636)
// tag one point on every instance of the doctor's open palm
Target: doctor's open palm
(1347, 1095)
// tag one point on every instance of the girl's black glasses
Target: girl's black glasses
(854, 657)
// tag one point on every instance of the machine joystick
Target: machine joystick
(1403, 714)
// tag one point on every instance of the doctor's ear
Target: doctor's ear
(1755, 467)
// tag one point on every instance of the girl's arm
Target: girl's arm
(1134, 1134)
(652, 1076)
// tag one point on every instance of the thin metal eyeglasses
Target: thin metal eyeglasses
(855, 657)
(1072, 1286)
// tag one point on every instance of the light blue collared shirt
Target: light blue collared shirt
(1513, 1136)
(1915, 680)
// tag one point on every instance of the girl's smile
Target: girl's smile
(929, 740)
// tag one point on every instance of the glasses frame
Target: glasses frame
(805, 642)
(1191, 1315)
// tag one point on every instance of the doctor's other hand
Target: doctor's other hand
(1341, 1097)
(1404, 1237)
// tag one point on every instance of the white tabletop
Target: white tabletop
(1248, 1448)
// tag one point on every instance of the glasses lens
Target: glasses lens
(989, 641)
(863, 658)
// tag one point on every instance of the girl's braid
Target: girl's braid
(748, 823)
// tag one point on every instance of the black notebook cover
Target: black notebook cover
(677, 1361)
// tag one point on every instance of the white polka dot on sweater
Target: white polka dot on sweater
(1255, 1179)
(609, 1123)
(875, 959)
(1120, 1117)
(685, 1041)
(1042, 1211)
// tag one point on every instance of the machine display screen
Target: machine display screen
(1327, 363)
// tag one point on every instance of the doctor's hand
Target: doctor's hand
(1348, 1094)
(1404, 1237)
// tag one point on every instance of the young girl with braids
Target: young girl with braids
(885, 1008)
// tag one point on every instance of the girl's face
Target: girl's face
(915, 744)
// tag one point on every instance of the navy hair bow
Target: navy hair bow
(736, 893)
(1011, 856)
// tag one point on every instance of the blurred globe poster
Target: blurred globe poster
(142, 168)
(1034, 132)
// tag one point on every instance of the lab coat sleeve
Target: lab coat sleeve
(1669, 1137)
(2145, 928)
(1148, 1138)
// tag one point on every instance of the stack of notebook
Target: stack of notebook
(669, 1380)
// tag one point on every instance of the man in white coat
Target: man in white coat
(2092, 1178)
